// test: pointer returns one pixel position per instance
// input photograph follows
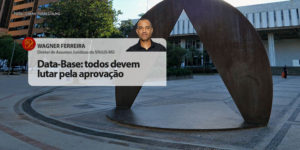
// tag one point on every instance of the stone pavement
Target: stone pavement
(20, 132)
(75, 117)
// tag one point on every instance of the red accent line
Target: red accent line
(26, 139)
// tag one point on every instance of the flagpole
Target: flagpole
(147, 5)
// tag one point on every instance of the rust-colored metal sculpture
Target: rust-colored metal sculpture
(234, 46)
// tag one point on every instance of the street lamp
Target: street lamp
(12, 56)
(147, 5)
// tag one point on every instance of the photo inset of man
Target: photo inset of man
(144, 30)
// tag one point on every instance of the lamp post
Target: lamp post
(147, 5)
(12, 56)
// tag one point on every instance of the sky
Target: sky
(132, 8)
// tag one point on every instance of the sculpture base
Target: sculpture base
(191, 116)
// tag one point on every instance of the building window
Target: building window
(20, 37)
(194, 43)
(178, 27)
(260, 17)
(23, 10)
(23, 2)
(190, 44)
(198, 46)
(18, 28)
(183, 26)
(177, 43)
(20, 19)
(188, 27)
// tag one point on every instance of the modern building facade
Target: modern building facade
(184, 35)
(24, 19)
(279, 26)
(5, 9)
(277, 23)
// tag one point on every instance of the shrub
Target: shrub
(179, 72)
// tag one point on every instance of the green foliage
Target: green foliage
(82, 19)
(179, 72)
(126, 27)
(6, 49)
(175, 55)
(191, 53)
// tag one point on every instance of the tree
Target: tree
(191, 55)
(6, 49)
(126, 27)
(82, 19)
(175, 55)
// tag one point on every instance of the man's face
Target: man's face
(144, 30)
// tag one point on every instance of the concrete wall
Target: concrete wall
(286, 51)
(270, 6)
(262, 16)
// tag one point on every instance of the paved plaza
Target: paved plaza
(76, 117)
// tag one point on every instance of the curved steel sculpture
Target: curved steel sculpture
(232, 43)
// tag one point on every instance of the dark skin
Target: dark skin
(144, 31)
